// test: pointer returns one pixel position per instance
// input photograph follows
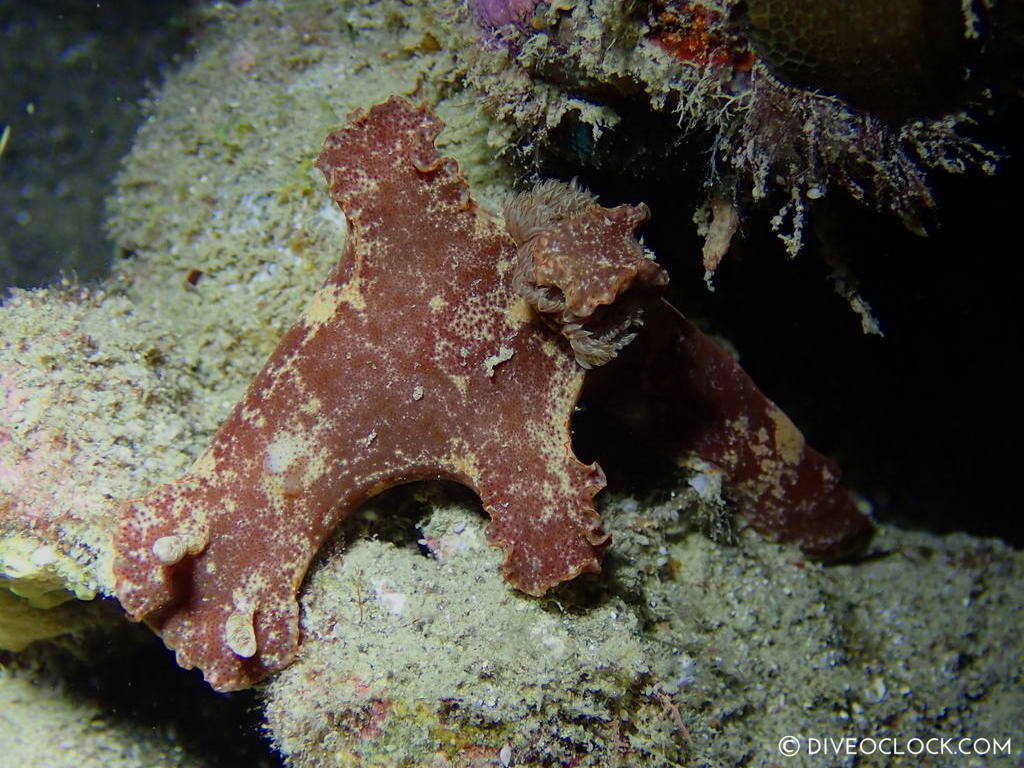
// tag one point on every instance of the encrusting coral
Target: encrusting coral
(788, 100)
(423, 356)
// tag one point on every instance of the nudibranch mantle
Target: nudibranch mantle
(417, 358)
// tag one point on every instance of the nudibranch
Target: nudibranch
(677, 394)
(417, 358)
(581, 267)
(448, 344)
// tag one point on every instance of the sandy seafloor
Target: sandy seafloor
(686, 651)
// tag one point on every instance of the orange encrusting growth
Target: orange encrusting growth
(416, 359)
(692, 33)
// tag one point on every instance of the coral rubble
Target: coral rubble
(472, 670)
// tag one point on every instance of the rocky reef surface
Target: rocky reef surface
(699, 644)
(72, 77)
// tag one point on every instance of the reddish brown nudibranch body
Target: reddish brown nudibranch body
(442, 346)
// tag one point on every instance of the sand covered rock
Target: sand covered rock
(93, 405)
(686, 653)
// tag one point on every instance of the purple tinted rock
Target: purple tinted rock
(492, 14)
